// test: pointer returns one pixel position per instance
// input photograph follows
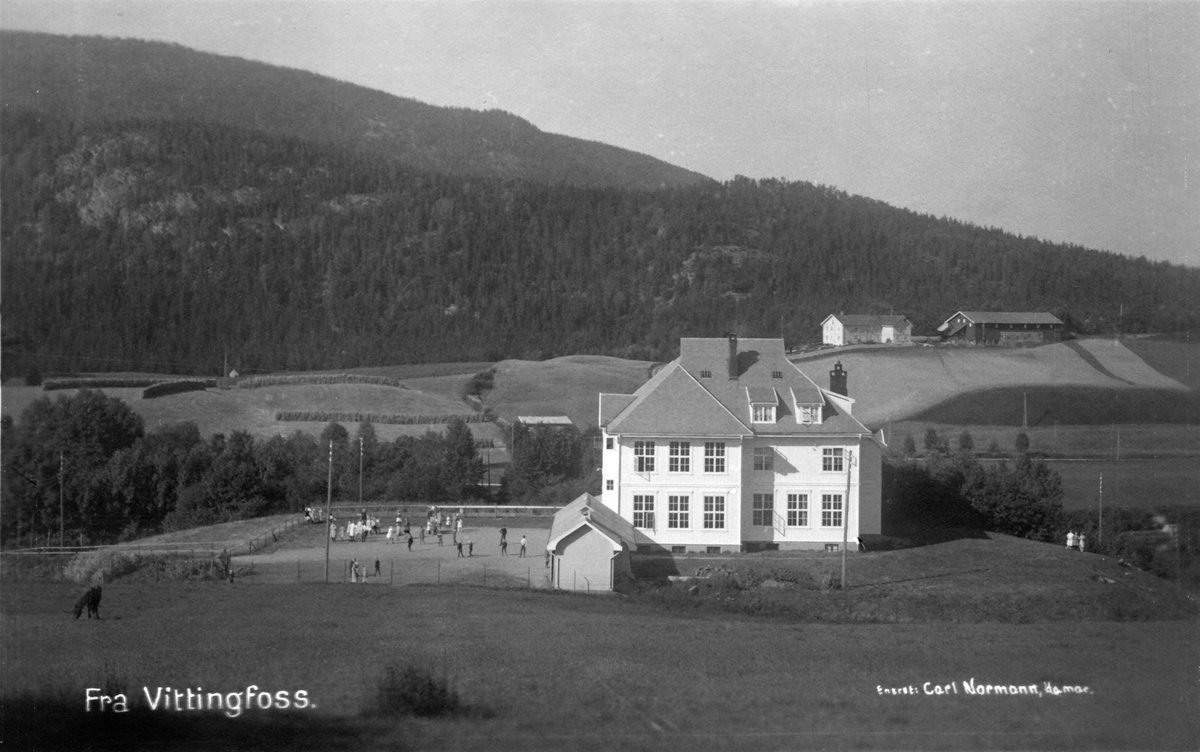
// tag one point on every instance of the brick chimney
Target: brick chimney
(837, 380)
(733, 357)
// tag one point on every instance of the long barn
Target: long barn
(1001, 328)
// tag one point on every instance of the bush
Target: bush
(97, 383)
(414, 690)
(102, 566)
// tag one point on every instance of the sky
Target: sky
(1072, 121)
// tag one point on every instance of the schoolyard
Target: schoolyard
(301, 558)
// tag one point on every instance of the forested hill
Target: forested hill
(167, 245)
(114, 79)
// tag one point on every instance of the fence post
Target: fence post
(391, 572)
(528, 577)
(439, 581)
(298, 571)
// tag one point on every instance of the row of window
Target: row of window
(762, 510)
(679, 457)
(679, 511)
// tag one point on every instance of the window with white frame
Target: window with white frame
(677, 512)
(705, 374)
(762, 413)
(831, 510)
(831, 460)
(764, 458)
(643, 512)
(714, 456)
(777, 374)
(810, 414)
(763, 510)
(797, 510)
(608, 443)
(680, 458)
(643, 456)
(714, 512)
(608, 485)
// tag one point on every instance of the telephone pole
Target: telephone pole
(328, 503)
(61, 527)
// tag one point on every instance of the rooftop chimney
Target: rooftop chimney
(837, 380)
(733, 357)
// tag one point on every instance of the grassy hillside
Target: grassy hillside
(563, 386)
(894, 384)
(540, 670)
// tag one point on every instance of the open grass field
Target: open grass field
(543, 670)
(562, 386)
(254, 410)
(893, 384)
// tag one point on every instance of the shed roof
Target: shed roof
(590, 511)
(544, 420)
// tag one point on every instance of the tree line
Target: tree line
(180, 246)
(86, 465)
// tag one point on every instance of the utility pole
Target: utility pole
(1100, 519)
(328, 503)
(846, 514)
(61, 536)
(360, 469)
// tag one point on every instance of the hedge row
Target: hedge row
(318, 416)
(318, 378)
(164, 388)
(97, 383)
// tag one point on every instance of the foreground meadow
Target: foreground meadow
(543, 670)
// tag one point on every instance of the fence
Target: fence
(399, 572)
(235, 545)
(417, 510)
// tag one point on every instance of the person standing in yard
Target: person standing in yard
(439, 536)
(410, 542)
(422, 536)
(458, 545)
(503, 547)
(470, 548)
(1082, 541)
(1071, 539)
(377, 567)
(523, 542)
(503, 535)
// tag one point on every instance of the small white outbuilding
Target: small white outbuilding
(589, 546)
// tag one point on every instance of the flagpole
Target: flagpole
(328, 502)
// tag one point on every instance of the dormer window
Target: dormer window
(763, 413)
(706, 374)
(809, 414)
(777, 374)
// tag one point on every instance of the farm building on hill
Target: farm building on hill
(843, 329)
(589, 546)
(730, 447)
(1001, 328)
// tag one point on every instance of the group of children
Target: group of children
(434, 524)
(1077, 542)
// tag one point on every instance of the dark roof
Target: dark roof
(678, 401)
(855, 319)
(1007, 317)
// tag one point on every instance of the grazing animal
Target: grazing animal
(90, 599)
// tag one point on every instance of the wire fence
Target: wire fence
(235, 545)
(399, 572)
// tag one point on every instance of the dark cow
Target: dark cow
(90, 599)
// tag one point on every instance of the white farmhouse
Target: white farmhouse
(843, 329)
(730, 447)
